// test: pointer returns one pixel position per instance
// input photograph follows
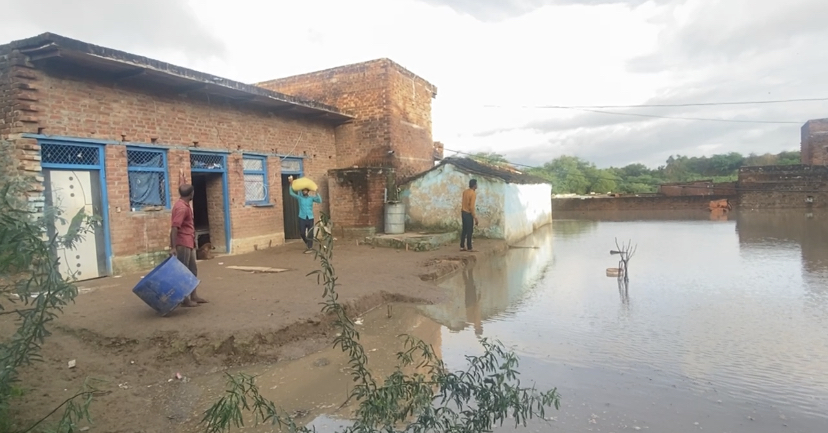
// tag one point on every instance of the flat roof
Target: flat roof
(49, 48)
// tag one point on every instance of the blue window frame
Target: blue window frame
(148, 178)
(255, 179)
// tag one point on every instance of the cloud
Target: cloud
(147, 26)
(733, 30)
(507, 53)
(706, 52)
(498, 10)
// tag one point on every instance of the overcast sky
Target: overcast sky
(493, 60)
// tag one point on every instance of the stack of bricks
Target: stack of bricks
(358, 210)
(19, 93)
(814, 145)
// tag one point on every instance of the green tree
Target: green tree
(491, 158)
(31, 282)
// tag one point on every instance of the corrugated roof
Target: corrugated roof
(476, 168)
(119, 65)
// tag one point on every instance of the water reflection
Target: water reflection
(572, 228)
(493, 288)
(624, 291)
(780, 232)
(727, 312)
(472, 302)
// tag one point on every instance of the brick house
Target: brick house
(114, 134)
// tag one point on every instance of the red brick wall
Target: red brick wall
(814, 145)
(410, 123)
(16, 95)
(641, 203)
(70, 105)
(784, 186)
(357, 206)
(392, 108)
(703, 188)
(689, 188)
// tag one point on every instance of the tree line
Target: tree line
(574, 175)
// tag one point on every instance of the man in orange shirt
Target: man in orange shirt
(182, 238)
(468, 215)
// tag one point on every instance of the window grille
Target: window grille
(67, 154)
(147, 172)
(255, 179)
(206, 161)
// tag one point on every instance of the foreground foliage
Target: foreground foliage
(431, 399)
(34, 291)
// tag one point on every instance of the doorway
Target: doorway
(291, 210)
(211, 211)
(75, 188)
(290, 167)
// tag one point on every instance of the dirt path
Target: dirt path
(252, 318)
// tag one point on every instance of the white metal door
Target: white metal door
(72, 192)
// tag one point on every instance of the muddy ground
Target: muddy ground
(253, 319)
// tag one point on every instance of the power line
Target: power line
(655, 116)
(692, 104)
(598, 109)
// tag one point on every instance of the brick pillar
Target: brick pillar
(357, 201)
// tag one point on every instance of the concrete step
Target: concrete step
(412, 241)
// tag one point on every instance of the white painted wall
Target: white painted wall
(433, 202)
(526, 208)
(506, 211)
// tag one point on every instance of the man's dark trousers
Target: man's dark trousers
(306, 230)
(468, 229)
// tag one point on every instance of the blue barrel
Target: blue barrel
(166, 286)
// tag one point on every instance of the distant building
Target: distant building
(814, 145)
(510, 204)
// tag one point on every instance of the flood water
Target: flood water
(724, 327)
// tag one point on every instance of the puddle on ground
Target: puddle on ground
(315, 388)
(721, 328)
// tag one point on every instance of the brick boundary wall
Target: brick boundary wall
(641, 203)
(784, 187)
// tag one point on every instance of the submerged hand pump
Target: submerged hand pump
(626, 252)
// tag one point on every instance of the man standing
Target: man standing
(306, 202)
(469, 217)
(182, 238)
